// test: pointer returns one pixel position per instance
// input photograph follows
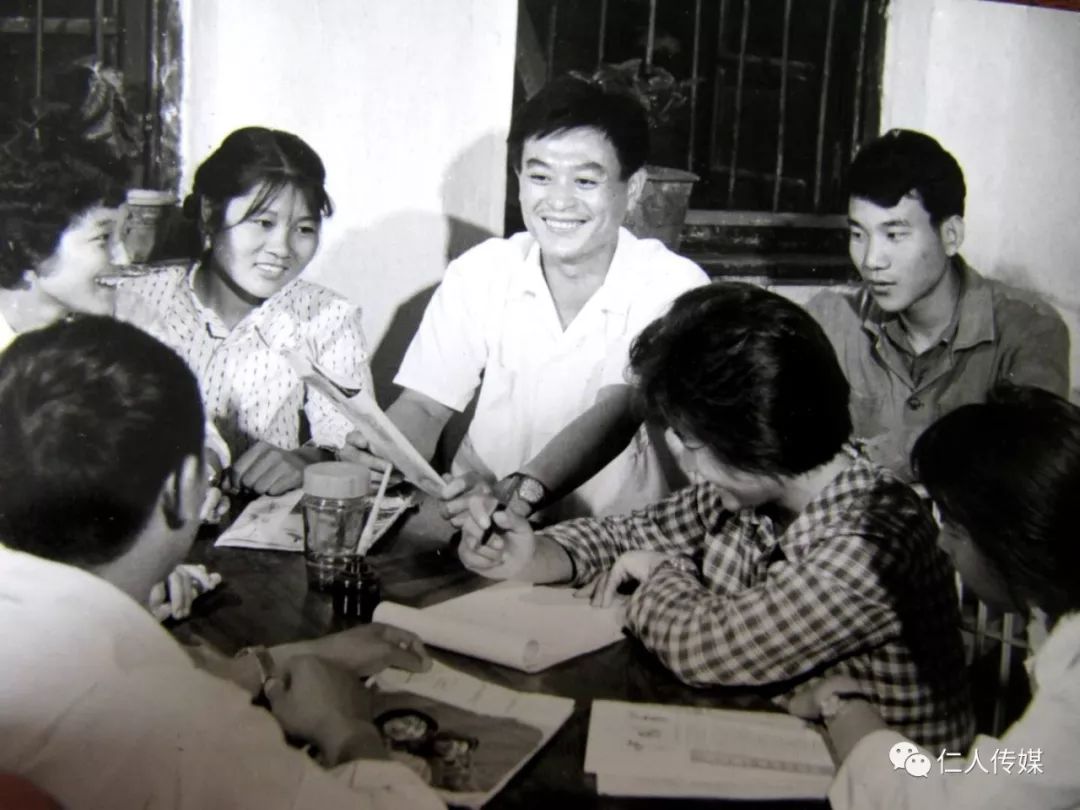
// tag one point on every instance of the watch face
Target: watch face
(530, 490)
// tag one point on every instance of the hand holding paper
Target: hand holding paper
(382, 435)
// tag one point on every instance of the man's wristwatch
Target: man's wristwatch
(525, 488)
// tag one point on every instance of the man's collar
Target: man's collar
(974, 311)
(613, 293)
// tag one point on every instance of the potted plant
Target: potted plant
(661, 209)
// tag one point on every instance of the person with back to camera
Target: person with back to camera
(1005, 476)
(259, 201)
(101, 479)
(925, 333)
(791, 555)
(541, 323)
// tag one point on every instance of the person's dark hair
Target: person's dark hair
(1008, 472)
(252, 156)
(903, 162)
(748, 373)
(94, 416)
(569, 103)
(33, 218)
(61, 160)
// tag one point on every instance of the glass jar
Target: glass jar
(334, 507)
(142, 226)
(356, 591)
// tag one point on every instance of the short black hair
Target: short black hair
(94, 416)
(57, 165)
(569, 103)
(33, 217)
(903, 162)
(1008, 472)
(748, 373)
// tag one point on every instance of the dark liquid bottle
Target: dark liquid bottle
(355, 591)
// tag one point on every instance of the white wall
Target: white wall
(406, 101)
(999, 85)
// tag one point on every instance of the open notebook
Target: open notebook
(527, 627)
(643, 749)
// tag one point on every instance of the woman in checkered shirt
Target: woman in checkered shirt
(1005, 475)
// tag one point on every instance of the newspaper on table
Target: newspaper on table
(465, 736)
(274, 523)
(644, 749)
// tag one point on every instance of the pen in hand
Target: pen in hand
(486, 535)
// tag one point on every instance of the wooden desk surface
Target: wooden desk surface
(265, 600)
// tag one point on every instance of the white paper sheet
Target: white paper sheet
(642, 749)
(514, 624)
(383, 436)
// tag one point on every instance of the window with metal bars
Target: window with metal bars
(781, 93)
(41, 39)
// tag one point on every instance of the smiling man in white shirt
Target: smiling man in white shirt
(542, 322)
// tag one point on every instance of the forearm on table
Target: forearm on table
(421, 419)
(590, 545)
(550, 564)
(706, 638)
(674, 525)
(243, 671)
(588, 444)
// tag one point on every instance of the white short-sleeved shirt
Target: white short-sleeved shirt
(7, 334)
(100, 707)
(250, 391)
(493, 323)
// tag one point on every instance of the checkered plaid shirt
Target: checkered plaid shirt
(855, 585)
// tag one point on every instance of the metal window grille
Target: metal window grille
(139, 37)
(781, 93)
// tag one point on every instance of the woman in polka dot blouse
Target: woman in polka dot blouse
(258, 202)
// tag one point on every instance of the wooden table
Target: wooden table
(265, 600)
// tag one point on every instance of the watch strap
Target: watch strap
(264, 661)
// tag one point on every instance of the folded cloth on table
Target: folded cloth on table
(186, 575)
